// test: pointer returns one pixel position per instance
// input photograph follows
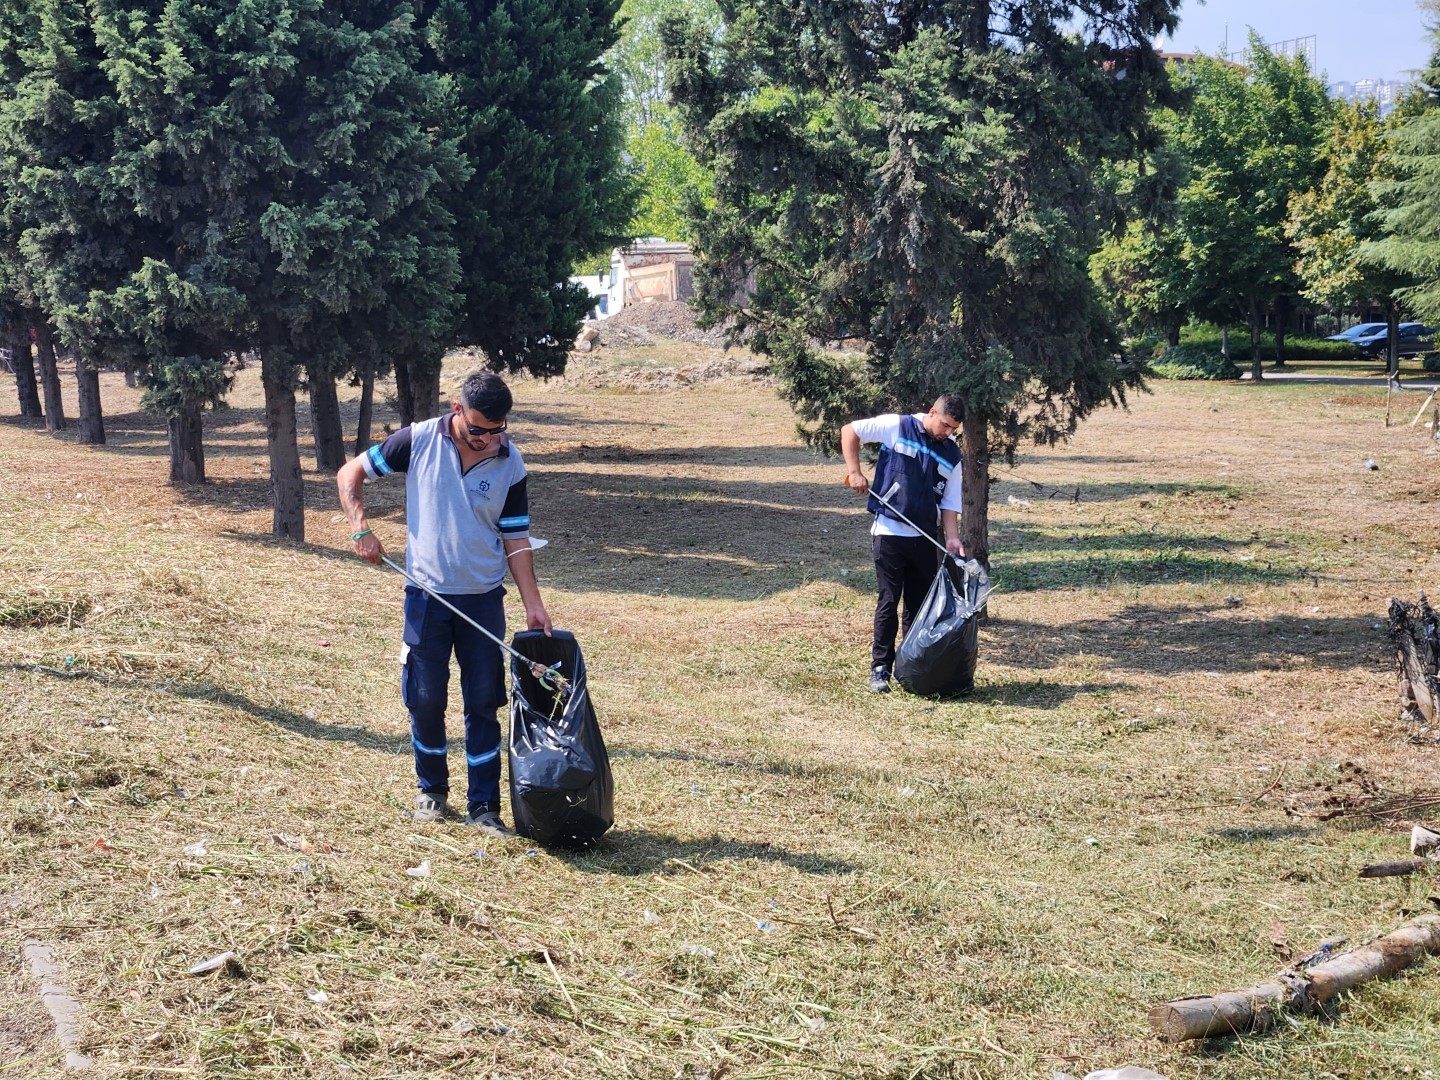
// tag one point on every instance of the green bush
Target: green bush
(1297, 349)
(1192, 361)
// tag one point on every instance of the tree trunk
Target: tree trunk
(367, 413)
(49, 377)
(404, 397)
(425, 384)
(187, 447)
(417, 390)
(26, 389)
(1392, 339)
(1225, 342)
(1172, 335)
(975, 489)
(1283, 315)
(288, 520)
(1255, 372)
(132, 380)
(92, 413)
(325, 424)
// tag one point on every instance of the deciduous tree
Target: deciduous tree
(1251, 137)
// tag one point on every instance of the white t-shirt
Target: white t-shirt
(885, 430)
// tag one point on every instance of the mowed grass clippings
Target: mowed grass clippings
(1184, 673)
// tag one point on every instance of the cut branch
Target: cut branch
(1257, 1008)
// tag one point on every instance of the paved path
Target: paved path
(1426, 384)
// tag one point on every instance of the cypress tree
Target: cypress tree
(284, 145)
(923, 176)
(537, 118)
(55, 129)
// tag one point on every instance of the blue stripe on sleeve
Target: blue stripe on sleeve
(378, 463)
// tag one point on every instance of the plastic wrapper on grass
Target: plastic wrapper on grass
(941, 647)
(561, 789)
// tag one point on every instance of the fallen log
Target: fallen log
(1394, 869)
(1210, 1015)
(1256, 1009)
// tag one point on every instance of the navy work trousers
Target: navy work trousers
(432, 633)
(904, 569)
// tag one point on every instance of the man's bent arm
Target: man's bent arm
(349, 481)
(850, 449)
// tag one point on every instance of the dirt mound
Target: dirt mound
(659, 320)
(729, 367)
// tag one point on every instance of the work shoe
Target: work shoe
(880, 681)
(490, 823)
(428, 807)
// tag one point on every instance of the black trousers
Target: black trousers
(904, 569)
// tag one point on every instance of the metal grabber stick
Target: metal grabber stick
(547, 676)
(985, 580)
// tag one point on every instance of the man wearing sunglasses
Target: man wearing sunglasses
(467, 516)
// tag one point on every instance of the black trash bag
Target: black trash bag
(561, 790)
(939, 651)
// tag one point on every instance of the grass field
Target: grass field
(1185, 672)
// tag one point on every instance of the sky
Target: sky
(1354, 39)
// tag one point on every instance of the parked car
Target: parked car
(1359, 330)
(1415, 338)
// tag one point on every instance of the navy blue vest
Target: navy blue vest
(921, 465)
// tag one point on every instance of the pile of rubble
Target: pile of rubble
(645, 324)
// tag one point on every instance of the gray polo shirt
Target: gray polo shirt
(455, 519)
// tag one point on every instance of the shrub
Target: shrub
(1192, 361)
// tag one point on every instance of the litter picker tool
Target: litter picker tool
(970, 566)
(549, 677)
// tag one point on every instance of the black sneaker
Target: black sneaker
(880, 681)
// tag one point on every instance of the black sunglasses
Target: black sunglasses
(476, 432)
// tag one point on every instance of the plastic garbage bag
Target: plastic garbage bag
(939, 651)
(561, 790)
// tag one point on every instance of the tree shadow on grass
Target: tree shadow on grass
(1035, 491)
(1251, 834)
(1173, 641)
(1033, 693)
(632, 852)
(205, 690)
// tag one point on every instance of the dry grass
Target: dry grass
(1185, 663)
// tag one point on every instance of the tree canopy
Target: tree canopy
(922, 177)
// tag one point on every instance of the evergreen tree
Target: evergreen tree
(923, 176)
(15, 331)
(536, 116)
(284, 145)
(1409, 202)
(54, 128)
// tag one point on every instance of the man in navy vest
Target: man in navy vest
(919, 458)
